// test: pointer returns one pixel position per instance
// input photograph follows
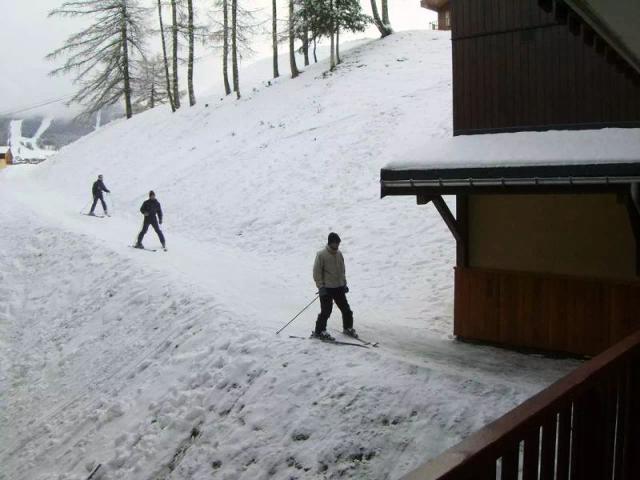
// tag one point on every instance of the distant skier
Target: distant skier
(330, 278)
(152, 212)
(97, 189)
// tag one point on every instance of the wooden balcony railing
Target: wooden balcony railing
(585, 426)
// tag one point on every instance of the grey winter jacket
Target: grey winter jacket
(328, 269)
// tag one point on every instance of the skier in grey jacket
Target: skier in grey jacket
(330, 278)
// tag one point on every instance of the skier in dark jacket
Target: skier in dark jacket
(152, 212)
(96, 190)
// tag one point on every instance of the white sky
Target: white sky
(30, 35)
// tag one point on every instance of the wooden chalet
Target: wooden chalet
(544, 169)
(548, 236)
(443, 9)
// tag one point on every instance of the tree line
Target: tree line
(110, 58)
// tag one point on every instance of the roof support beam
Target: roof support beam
(458, 227)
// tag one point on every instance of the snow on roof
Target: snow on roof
(4, 149)
(557, 147)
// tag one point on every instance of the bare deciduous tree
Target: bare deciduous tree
(101, 53)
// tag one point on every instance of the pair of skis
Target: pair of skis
(147, 249)
(360, 342)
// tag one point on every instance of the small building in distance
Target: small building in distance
(6, 158)
(443, 9)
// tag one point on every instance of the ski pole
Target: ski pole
(85, 207)
(299, 313)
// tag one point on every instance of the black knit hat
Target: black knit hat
(333, 238)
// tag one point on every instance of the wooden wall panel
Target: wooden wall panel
(546, 312)
(519, 69)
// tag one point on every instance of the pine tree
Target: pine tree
(150, 85)
(101, 53)
(328, 18)
(221, 36)
(164, 58)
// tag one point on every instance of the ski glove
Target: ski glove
(346, 289)
(323, 292)
(160, 221)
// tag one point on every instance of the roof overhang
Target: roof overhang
(435, 5)
(617, 21)
(605, 160)
(587, 178)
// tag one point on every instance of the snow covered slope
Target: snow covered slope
(166, 366)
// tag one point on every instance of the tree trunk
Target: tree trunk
(225, 48)
(164, 56)
(152, 100)
(192, 95)
(292, 52)
(274, 35)
(174, 33)
(315, 47)
(384, 29)
(305, 47)
(385, 13)
(332, 65)
(125, 62)
(234, 46)
(338, 59)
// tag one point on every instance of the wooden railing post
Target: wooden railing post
(510, 464)
(585, 426)
(548, 453)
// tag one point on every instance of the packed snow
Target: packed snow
(166, 365)
(556, 147)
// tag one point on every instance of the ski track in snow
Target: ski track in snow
(166, 366)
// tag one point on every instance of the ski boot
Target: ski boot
(350, 332)
(324, 336)
(139, 245)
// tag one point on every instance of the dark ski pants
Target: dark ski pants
(153, 221)
(95, 202)
(326, 306)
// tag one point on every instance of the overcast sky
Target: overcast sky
(27, 35)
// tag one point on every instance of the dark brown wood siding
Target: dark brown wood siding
(541, 311)
(444, 18)
(519, 67)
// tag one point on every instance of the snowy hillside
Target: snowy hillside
(166, 365)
